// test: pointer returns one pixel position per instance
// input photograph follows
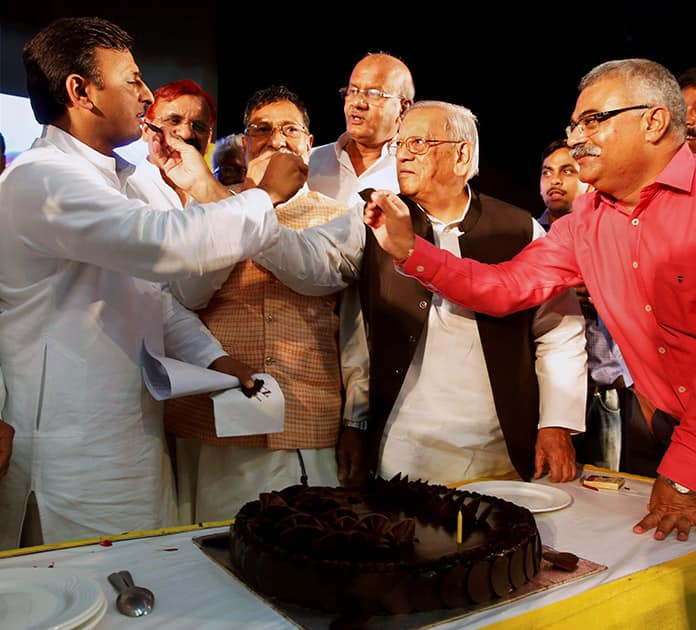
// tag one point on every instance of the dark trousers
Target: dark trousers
(642, 451)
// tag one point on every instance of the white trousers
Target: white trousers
(214, 482)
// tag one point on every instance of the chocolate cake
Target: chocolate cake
(390, 548)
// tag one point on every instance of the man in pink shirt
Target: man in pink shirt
(632, 242)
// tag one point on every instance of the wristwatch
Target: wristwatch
(678, 487)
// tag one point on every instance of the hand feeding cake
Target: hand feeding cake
(390, 548)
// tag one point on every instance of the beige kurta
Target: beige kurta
(293, 337)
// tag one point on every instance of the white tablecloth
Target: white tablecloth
(193, 592)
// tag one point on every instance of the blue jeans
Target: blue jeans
(606, 413)
(600, 445)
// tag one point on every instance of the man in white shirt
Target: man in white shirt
(379, 91)
(454, 395)
(185, 109)
(80, 270)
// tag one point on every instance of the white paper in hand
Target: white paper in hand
(169, 378)
(263, 412)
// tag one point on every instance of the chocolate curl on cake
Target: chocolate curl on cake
(562, 559)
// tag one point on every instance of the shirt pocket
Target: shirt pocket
(62, 410)
(675, 298)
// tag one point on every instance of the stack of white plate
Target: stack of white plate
(49, 599)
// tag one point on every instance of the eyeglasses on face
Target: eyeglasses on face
(588, 125)
(174, 120)
(371, 95)
(418, 145)
(266, 129)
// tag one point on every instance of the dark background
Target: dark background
(516, 68)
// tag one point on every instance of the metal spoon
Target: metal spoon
(132, 600)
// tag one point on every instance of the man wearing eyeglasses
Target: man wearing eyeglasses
(187, 111)
(453, 395)
(380, 90)
(631, 241)
(274, 330)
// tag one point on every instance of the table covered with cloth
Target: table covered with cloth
(647, 583)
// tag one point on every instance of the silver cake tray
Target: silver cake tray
(216, 547)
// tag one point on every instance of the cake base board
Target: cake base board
(216, 547)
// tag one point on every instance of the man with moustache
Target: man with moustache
(559, 182)
(274, 330)
(81, 267)
(632, 242)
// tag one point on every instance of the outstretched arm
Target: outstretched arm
(318, 260)
(541, 270)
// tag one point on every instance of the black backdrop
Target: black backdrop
(516, 67)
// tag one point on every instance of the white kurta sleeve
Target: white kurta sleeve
(318, 260)
(561, 360)
(74, 214)
(195, 292)
(355, 360)
(185, 336)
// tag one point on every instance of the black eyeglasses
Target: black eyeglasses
(265, 130)
(589, 124)
(371, 95)
(418, 145)
(174, 120)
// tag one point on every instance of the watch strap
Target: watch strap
(677, 486)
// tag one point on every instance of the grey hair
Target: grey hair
(461, 124)
(225, 145)
(651, 83)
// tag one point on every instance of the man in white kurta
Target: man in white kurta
(80, 270)
(80, 266)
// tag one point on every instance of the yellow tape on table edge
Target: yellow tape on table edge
(663, 596)
(146, 533)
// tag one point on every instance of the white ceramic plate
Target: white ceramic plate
(48, 599)
(536, 497)
(93, 621)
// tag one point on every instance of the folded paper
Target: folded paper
(235, 412)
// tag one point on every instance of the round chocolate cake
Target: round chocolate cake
(391, 547)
